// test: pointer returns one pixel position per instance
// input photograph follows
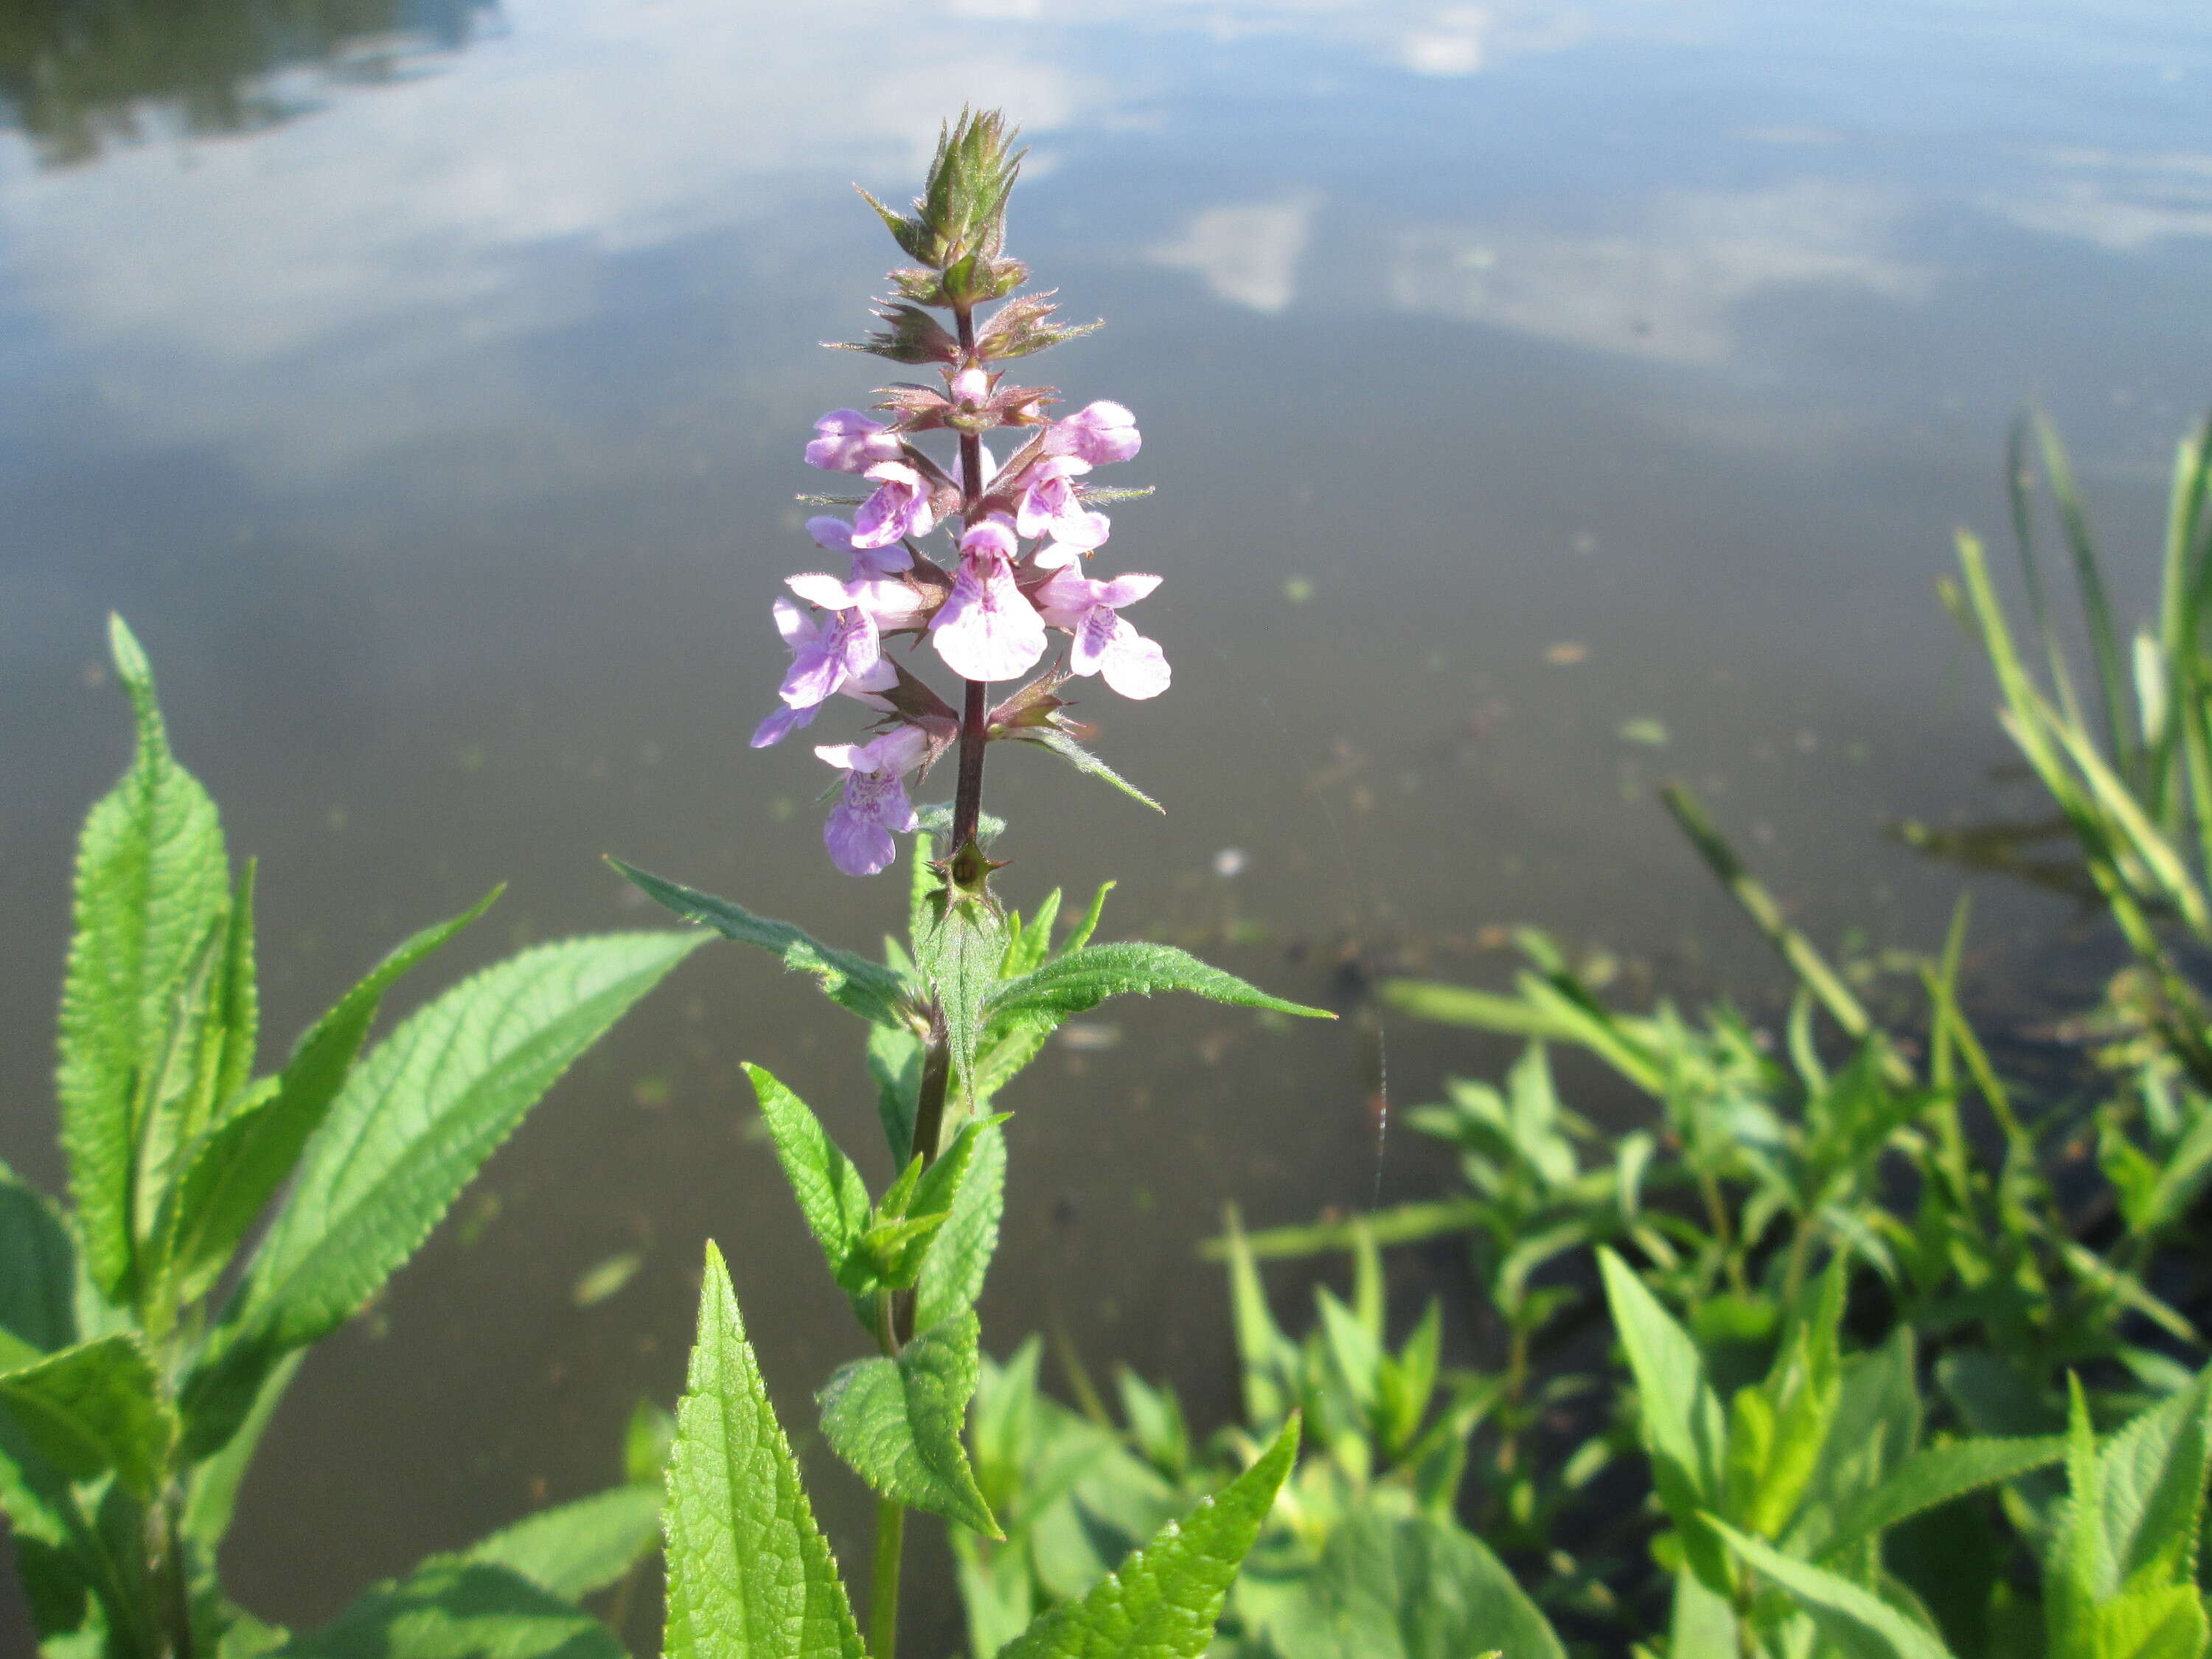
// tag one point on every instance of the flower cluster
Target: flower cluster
(1016, 572)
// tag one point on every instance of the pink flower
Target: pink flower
(1097, 432)
(835, 536)
(899, 507)
(861, 687)
(847, 441)
(1133, 664)
(1050, 506)
(987, 630)
(875, 806)
(828, 651)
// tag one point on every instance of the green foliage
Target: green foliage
(897, 1422)
(574, 1549)
(750, 1575)
(1077, 981)
(1162, 1603)
(1410, 1588)
(458, 1610)
(128, 1414)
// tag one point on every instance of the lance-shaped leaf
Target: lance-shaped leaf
(1683, 1429)
(952, 1272)
(830, 1193)
(94, 1407)
(750, 1575)
(410, 1126)
(574, 1549)
(1856, 1622)
(1079, 981)
(1162, 1602)
(864, 987)
(1934, 1477)
(152, 884)
(960, 947)
(2153, 1473)
(458, 1609)
(898, 1423)
(235, 1170)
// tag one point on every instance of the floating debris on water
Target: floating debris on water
(1089, 1036)
(1644, 729)
(605, 1278)
(1566, 654)
(1229, 863)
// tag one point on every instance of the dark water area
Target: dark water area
(1522, 383)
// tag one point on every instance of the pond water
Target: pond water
(1544, 400)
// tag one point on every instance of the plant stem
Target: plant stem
(884, 1588)
(968, 801)
(165, 1558)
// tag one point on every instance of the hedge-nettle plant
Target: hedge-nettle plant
(975, 562)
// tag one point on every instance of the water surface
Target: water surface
(426, 383)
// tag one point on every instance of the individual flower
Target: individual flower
(1097, 433)
(864, 687)
(835, 536)
(846, 440)
(827, 650)
(1050, 506)
(987, 630)
(1104, 643)
(875, 804)
(899, 507)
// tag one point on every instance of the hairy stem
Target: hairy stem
(884, 1588)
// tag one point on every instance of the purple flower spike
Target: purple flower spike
(861, 826)
(1097, 433)
(1133, 664)
(987, 630)
(835, 536)
(899, 507)
(847, 441)
(1049, 506)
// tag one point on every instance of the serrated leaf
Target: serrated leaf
(458, 1609)
(152, 881)
(898, 1422)
(38, 1268)
(1933, 1477)
(1058, 742)
(1163, 1600)
(895, 1061)
(575, 1548)
(952, 1273)
(1076, 982)
(1413, 1588)
(410, 1126)
(2168, 1623)
(94, 1407)
(750, 1575)
(2153, 1473)
(960, 950)
(830, 1193)
(853, 982)
(239, 1168)
(1856, 1622)
(1683, 1427)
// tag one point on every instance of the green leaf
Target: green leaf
(211, 1487)
(647, 1438)
(1077, 981)
(898, 1422)
(854, 983)
(38, 1268)
(2168, 1623)
(894, 1061)
(1162, 1602)
(2153, 1473)
(1058, 742)
(1856, 1622)
(95, 1407)
(238, 1167)
(572, 1549)
(952, 1273)
(750, 1575)
(830, 1193)
(1410, 1588)
(960, 951)
(458, 1609)
(1934, 1477)
(409, 1128)
(1267, 1360)
(1683, 1427)
(152, 883)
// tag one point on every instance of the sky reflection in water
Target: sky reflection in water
(1516, 378)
